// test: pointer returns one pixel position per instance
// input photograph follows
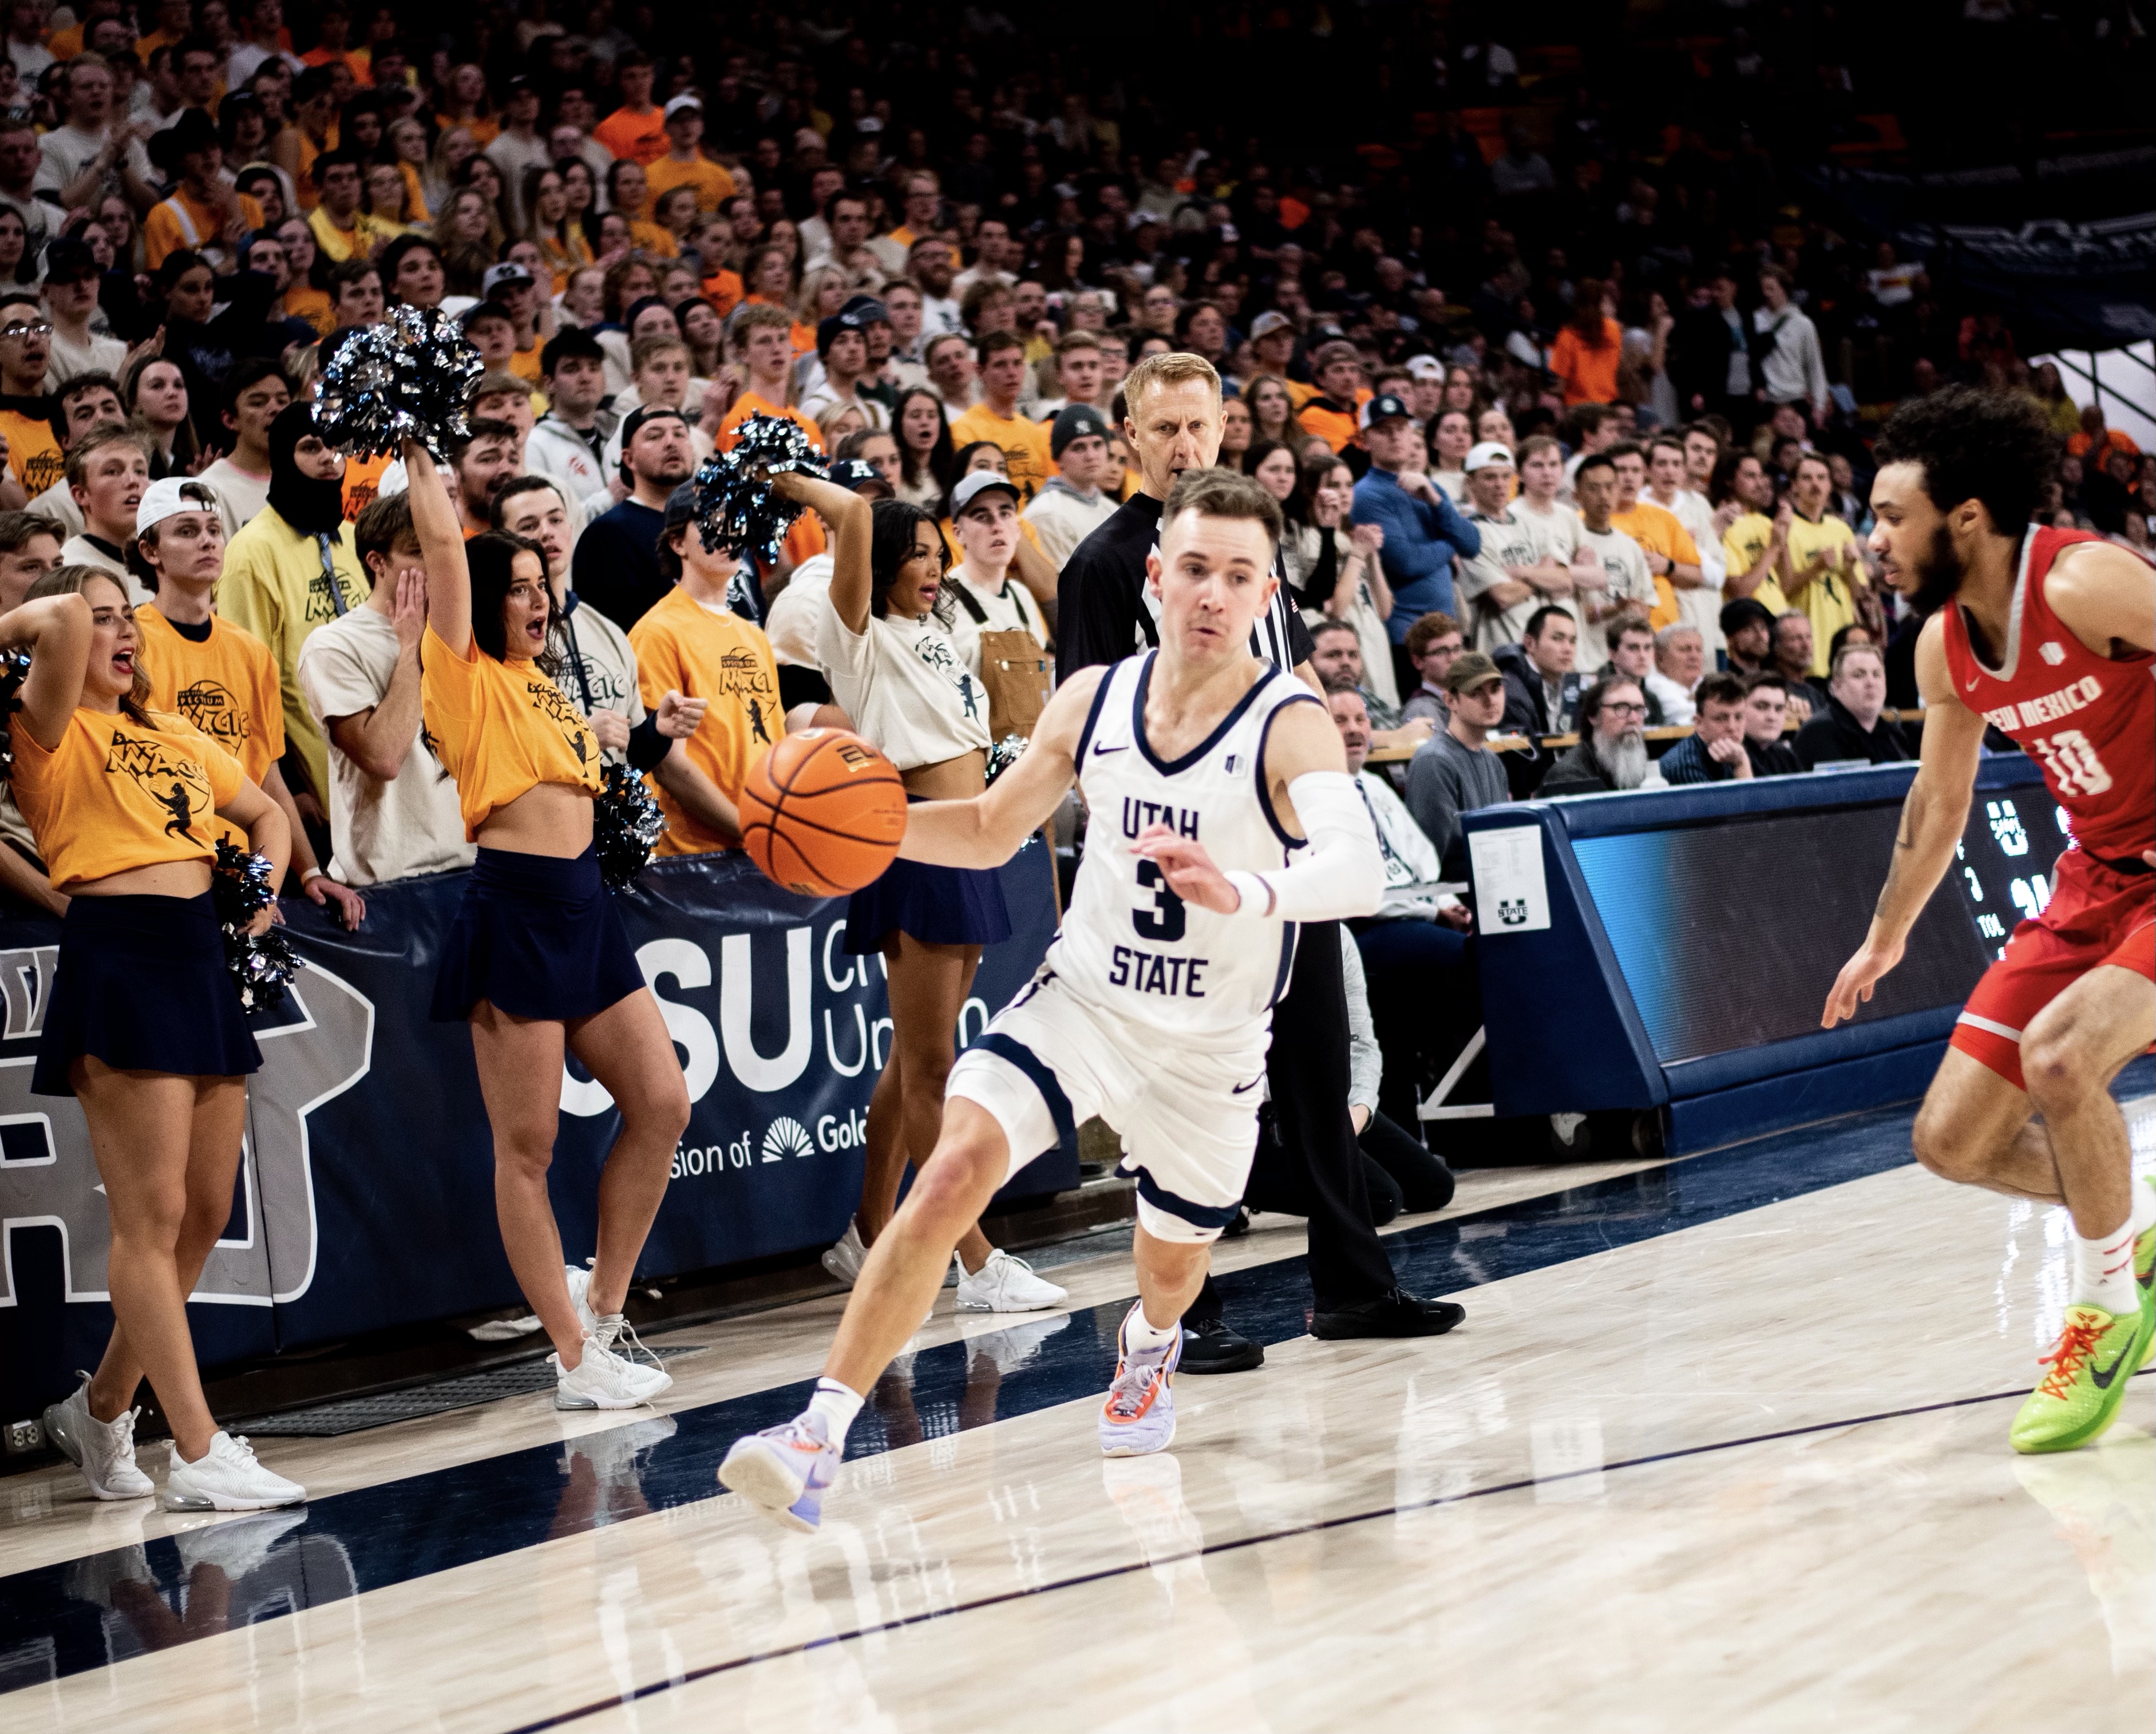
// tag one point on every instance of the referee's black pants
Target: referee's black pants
(1308, 1070)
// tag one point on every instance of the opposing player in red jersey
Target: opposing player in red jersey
(2051, 636)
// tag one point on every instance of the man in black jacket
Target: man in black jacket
(1766, 712)
(1849, 725)
(1172, 419)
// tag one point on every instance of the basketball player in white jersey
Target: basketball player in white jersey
(1204, 769)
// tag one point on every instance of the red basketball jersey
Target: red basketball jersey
(2089, 721)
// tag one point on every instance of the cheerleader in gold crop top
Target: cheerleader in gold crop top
(143, 1024)
(537, 962)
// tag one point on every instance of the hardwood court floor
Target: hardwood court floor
(1722, 1446)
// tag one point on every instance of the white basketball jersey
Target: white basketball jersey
(1128, 944)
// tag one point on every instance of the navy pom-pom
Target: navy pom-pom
(735, 505)
(14, 668)
(261, 964)
(407, 378)
(626, 826)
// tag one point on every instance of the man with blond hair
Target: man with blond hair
(1108, 610)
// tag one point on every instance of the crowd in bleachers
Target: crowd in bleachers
(1571, 404)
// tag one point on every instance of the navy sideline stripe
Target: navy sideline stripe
(434, 1521)
(636, 1695)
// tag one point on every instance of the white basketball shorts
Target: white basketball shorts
(1189, 1118)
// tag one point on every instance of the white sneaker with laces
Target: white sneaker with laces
(226, 1478)
(600, 1380)
(1006, 1285)
(843, 1260)
(103, 1450)
(611, 1329)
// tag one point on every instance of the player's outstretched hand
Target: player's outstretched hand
(677, 717)
(1188, 869)
(1858, 977)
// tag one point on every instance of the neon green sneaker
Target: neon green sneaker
(2091, 1365)
(2144, 1272)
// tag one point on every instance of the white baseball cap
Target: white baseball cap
(171, 495)
(1426, 366)
(1490, 452)
(675, 105)
(971, 487)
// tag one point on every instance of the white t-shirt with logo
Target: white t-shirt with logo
(378, 830)
(1625, 563)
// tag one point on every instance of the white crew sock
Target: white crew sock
(2143, 1217)
(837, 1406)
(1141, 1336)
(2103, 1270)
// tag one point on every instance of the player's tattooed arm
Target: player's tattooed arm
(1932, 820)
(988, 829)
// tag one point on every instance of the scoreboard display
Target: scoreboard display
(1673, 949)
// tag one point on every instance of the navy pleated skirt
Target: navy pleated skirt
(937, 905)
(142, 986)
(536, 936)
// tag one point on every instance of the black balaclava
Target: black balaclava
(311, 507)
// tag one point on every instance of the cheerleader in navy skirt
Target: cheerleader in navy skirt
(536, 960)
(885, 642)
(143, 1025)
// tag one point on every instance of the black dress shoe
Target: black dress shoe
(1396, 1313)
(1208, 1346)
(1240, 1227)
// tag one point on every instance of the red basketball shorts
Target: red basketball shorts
(2097, 915)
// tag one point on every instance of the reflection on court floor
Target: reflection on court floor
(1691, 1462)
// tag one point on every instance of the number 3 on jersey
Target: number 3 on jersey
(1162, 923)
(2070, 758)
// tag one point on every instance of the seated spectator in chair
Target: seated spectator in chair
(1456, 771)
(1423, 998)
(393, 809)
(1542, 686)
(1748, 636)
(1767, 711)
(1433, 641)
(1632, 654)
(1714, 751)
(1336, 654)
(1850, 726)
(1792, 659)
(1612, 754)
(1680, 660)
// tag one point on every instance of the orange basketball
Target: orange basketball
(822, 812)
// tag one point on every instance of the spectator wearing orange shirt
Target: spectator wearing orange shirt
(1672, 555)
(1585, 355)
(637, 129)
(2094, 434)
(684, 163)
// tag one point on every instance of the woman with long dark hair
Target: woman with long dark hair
(885, 642)
(928, 466)
(144, 1026)
(537, 960)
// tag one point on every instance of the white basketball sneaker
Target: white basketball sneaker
(226, 1478)
(612, 1330)
(1005, 1285)
(103, 1450)
(601, 1380)
(843, 1260)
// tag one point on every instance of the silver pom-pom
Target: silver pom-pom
(1005, 754)
(626, 827)
(406, 379)
(261, 963)
(736, 505)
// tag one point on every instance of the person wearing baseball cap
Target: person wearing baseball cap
(220, 677)
(615, 568)
(685, 164)
(1456, 771)
(1517, 571)
(1334, 413)
(842, 345)
(1071, 505)
(203, 215)
(984, 581)
(1748, 634)
(1273, 341)
(1426, 387)
(1424, 534)
(513, 287)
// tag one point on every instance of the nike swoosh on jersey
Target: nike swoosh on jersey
(1244, 1089)
(1098, 749)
